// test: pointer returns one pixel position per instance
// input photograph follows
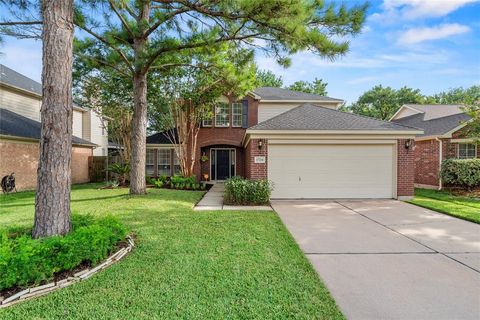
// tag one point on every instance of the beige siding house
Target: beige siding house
(20, 103)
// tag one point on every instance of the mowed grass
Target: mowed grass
(461, 207)
(189, 265)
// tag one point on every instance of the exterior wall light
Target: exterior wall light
(260, 144)
(408, 144)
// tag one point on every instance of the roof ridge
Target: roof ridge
(367, 117)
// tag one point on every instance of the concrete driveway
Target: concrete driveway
(385, 259)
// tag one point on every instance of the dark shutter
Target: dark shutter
(245, 114)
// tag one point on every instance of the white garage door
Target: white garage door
(331, 171)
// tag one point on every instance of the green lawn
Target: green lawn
(189, 265)
(441, 201)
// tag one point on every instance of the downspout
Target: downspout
(440, 155)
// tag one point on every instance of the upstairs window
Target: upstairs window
(237, 114)
(208, 121)
(467, 151)
(222, 116)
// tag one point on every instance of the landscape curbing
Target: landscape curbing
(38, 291)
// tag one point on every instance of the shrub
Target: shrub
(247, 192)
(463, 173)
(25, 261)
(122, 170)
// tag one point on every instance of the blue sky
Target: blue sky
(432, 45)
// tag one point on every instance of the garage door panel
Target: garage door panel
(331, 171)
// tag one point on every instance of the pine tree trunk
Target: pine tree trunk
(139, 135)
(52, 201)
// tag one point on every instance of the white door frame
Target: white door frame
(229, 161)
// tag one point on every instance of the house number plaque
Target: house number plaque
(259, 159)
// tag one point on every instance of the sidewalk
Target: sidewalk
(213, 200)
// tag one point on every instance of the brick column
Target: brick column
(256, 171)
(405, 170)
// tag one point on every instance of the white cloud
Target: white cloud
(23, 56)
(394, 10)
(417, 35)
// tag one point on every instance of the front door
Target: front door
(222, 164)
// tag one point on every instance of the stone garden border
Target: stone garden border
(82, 275)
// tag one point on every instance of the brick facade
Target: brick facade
(426, 162)
(22, 158)
(256, 170)
(405, 169)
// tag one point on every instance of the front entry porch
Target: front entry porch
(221, 162)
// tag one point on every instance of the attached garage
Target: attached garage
(332, 171)
(312, 152)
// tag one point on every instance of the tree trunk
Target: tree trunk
(52, 201)
(139, 135)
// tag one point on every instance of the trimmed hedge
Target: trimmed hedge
(239, 191)
(26, 261)
(463, 173)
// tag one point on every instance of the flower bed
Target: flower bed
(26, 262)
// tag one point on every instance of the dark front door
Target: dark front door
(223, 164)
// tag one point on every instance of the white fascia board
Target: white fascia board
(335, 132)
(401, 108)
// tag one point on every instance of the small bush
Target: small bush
(463, 173)
(25, 261)
(241, 191)
(176, 182)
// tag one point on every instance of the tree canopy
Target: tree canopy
(317, 86)
(266, 78)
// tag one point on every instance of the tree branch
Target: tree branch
(122, 19)
(105, 41)
(15, 23)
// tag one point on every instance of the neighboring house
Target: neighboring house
(302, 144)
(20, 102)
(23, 96)
(444, 137)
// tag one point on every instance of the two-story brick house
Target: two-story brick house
(301, 143)
(444, 138)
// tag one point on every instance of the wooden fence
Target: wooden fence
(97, 168)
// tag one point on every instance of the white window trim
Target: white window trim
(241, 115)
(162, 164)
(458, 150)
(207, 125)
(228, 114)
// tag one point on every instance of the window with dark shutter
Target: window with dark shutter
(245, 114)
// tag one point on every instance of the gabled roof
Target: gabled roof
(13, 78)
(162, 137)
(433, 111)
(17, 126)
(437, 126)
(273, 93)
(311, 117)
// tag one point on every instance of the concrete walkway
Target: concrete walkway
(213, 200)
(389, 259)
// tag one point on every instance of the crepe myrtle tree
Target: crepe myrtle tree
(190, 94)
(134, 37)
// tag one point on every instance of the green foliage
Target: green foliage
(463, 173)
(120, 169)
(382, 102)
(242, 191)
(266, 78)
(317, 86)
(467, 96)
(177, 182)
(26, 261)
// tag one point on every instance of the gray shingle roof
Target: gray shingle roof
(15, 79)
(273, 93)
(310, 117)
(162, 137)
(15, 125)
(435, 111)
(434, 127)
